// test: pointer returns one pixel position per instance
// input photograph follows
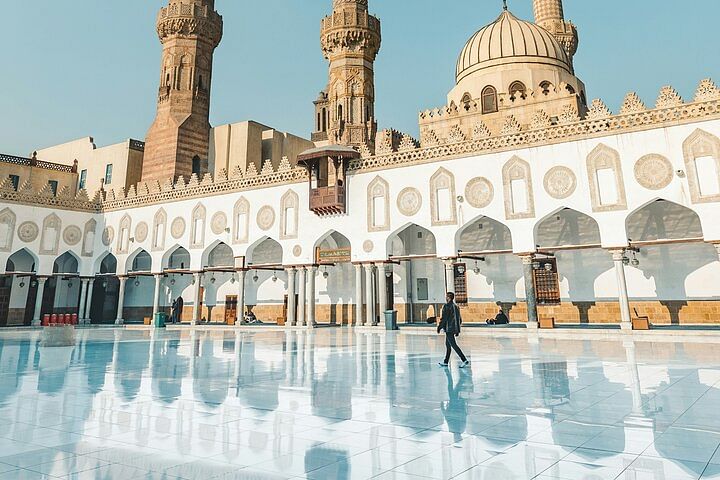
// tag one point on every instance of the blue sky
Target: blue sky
(90, 67)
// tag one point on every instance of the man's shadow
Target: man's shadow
(455, 408)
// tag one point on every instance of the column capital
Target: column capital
(42, 279)
(527, 258)
(618, 254)
(369, 266)
(717, 247)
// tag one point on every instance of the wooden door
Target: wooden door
(5, 286)
(231, 307)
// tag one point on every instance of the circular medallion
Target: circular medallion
(297, 250)
(28, 231)
(141, 232)
(266, 217)
(177, 229)
(409, 201)
(560, 182)
(479, 192)
(108, 236)
(368, 246)
(654, 172)
(218, 224)
(72, 235)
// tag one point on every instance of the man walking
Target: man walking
(450, 322)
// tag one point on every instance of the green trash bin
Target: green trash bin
(391, 320)
(160, 320)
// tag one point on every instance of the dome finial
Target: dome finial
(505, 7)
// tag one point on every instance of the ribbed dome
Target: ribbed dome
(510, 40)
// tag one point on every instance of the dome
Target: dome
(509, 40)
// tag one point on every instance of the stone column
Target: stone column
(83, 299)
(38, 300)
(449, 274)
(311, 296)
(625, 318)
(358, 295)
(301, 296)
(242, 276)
(717, 249)
(530, 295)
(291, 310)
(156, 296)
(382, 288)
(88, 302)
(119, 320)
(369, 310)
(196, 299)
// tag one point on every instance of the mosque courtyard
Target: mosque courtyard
(341, 403)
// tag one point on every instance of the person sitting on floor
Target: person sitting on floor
(500, 319)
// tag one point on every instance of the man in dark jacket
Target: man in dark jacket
(450, 322)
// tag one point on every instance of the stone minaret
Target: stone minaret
(178, 141)
(350, 41)
(549, 15)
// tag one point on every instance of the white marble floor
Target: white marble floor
(339, 404)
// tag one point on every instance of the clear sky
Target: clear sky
(80, 68)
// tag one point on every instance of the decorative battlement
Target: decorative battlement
(599, 121)
(186, 19)
(34, 162)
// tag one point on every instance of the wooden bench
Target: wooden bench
(640, 322)
(547, 322)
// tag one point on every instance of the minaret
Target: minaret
(350, 39)
(179, 140)
(549, 15)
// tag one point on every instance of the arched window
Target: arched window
(466, 100)
(545, 87)
(489, 100)
(340, 113)
(324, 120)
(570, 90)
(517, 89)
(196, 165)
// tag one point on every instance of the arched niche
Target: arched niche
(123, 245)
(221, 255)
(518, 189)
(265, 251)
(289, 215)
(7, 229)
(378, 205)
(177, 258)
(241, 221)
(22, 261)
(159, 230)
(139, 261)
(108, 265)
(442, 198)
(197, 226)
(702, 162)
(567, 227)
(67, 263)
(605, 177)
(412, 239)
(89, 233)
(50, 240)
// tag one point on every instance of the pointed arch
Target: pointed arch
(378, 205)
(68, 262)
(123, 245)
(413, 240)
(219, 254)
(662, 219)
(105, 263)
(702, 162)
(289, 215)
(605, 176)
(178, 257)
(265, 251)
(241, 221)
(50, 240)
(89, 233)
(197, 226)
(483, 234)
(7, 229)
(442, 198)
(518, 189)
(159, 231)
(22, 260)
(566, 226)
(139, 261)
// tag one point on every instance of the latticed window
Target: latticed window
(547, 281)
(489, 100)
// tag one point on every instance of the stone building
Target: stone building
(520, 194)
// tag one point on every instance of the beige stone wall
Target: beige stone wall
(39, 177)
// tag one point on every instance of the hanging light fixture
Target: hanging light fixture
(22, 284)
(256, 278)
(325, 273)
(212, 279)
(172, 281)
(137, 282)
(274, 277)
(476, 270)
(104, 284)
(548, 267)
(232, 279)
(70, 284)
(635, 262)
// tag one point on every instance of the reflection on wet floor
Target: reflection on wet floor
(340, 404)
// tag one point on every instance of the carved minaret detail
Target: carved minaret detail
(350, 41)
(549, 15)
(178, 141)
